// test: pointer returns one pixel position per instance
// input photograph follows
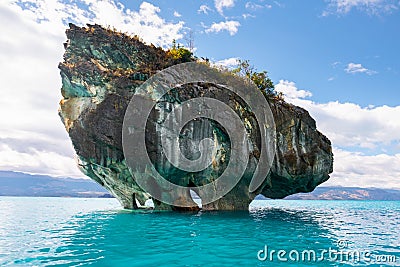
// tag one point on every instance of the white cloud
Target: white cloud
(281, 5)
(349, 125)
(52, 15)
(32, 137)
(145, 22)
(290, 90)
(228, 62)
(360, 170)
(38, 162)
(204, 9)
(353, 129)
(247, 15)
(369, 6)
(221, 4)
(253, 6)
(358, 68)
(177, 14)
(230, 25)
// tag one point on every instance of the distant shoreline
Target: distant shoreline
(105, 196)
(26, 185)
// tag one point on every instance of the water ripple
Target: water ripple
(80, 232)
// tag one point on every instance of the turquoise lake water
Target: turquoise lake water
(97, 232)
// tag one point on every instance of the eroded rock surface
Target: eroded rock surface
(100, 73)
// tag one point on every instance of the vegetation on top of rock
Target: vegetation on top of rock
(260, 79)
(179, 54)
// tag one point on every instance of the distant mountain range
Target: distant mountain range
(21, 184)
(348, 193)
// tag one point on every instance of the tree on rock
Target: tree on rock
(260, 79)
(179, 54)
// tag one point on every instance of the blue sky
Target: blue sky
(338, 59)
(299, 40)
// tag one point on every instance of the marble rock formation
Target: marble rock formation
(100, 73)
